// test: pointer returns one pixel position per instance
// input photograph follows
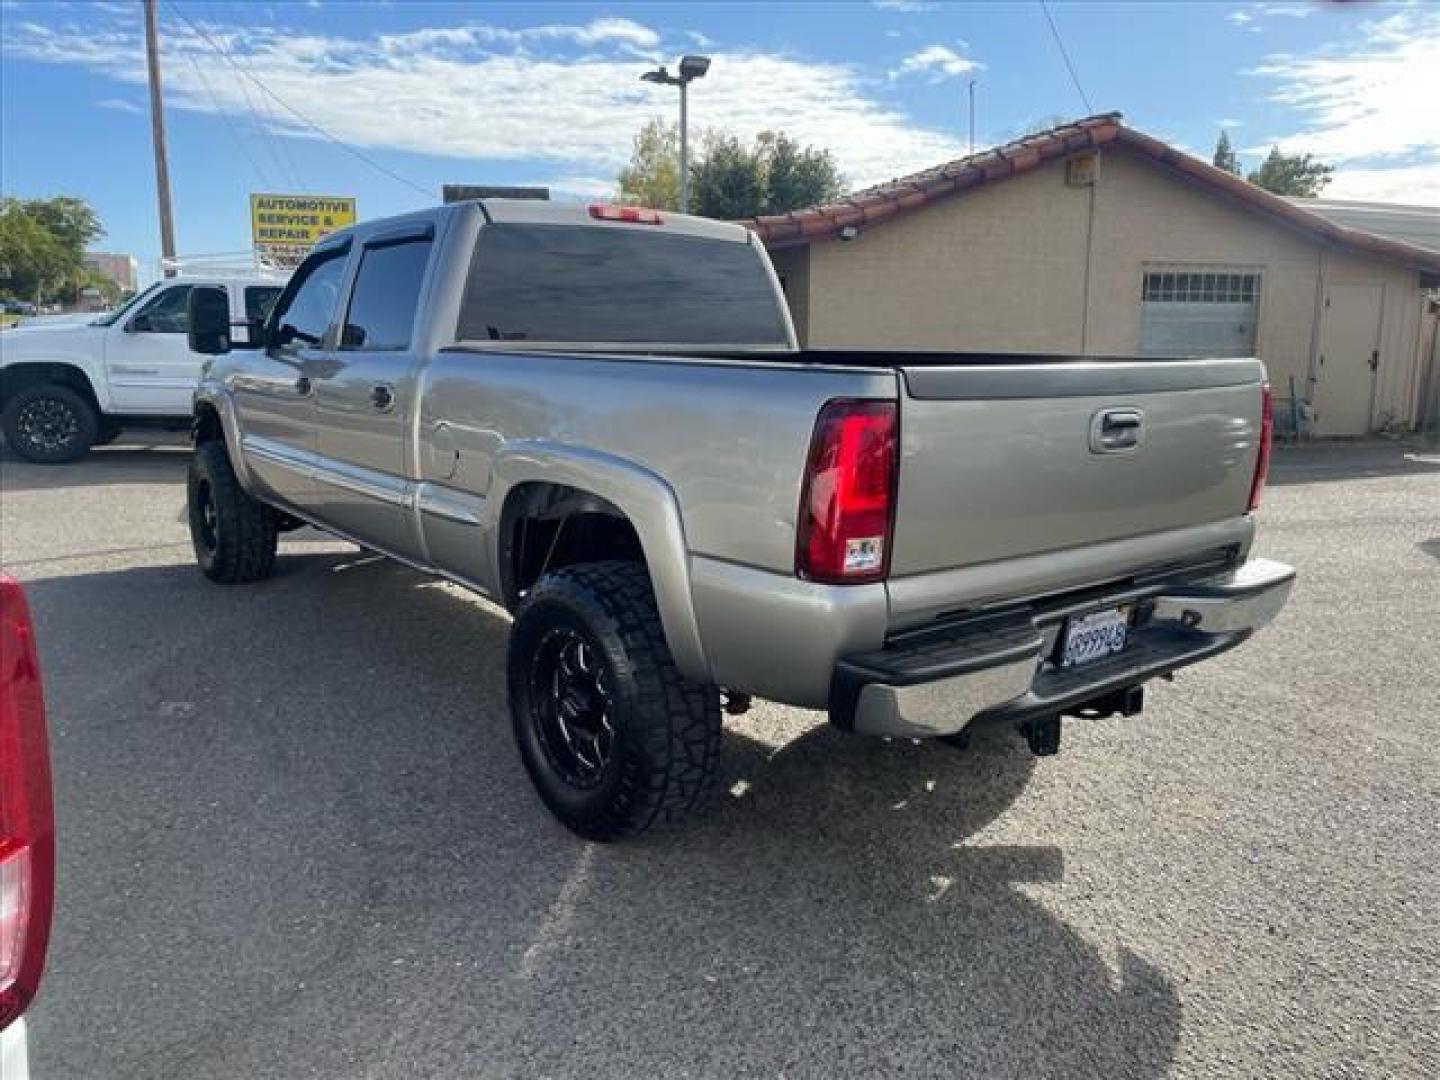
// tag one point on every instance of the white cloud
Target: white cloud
(613, 30)
(567, 95)
(1229, 122)
(1250, 18)
(120, 105)
(935, 61)
(608, 31)
(579, 188)
(908, 7)
(1373, 99)
(1418, 185)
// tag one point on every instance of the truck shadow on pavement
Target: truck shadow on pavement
(297, 808)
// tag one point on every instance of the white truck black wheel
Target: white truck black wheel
(234, 535)
(49, 424)
(613, 736)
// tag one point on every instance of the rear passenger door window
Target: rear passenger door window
(386, 295)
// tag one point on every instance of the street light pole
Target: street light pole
(684, 149)
(157, 134)
(691, 68)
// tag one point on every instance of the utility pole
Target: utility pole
(157, 133)
(972, 116)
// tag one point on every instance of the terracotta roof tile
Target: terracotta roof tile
(907, 194)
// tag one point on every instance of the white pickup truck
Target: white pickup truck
(66, 388)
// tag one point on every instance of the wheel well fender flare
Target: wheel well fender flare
(646, 501)
(214, 406)
(15, 377)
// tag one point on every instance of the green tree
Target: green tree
(1040, 125)
(772, 176)
(797, 176)
(728, 181)
(1225, 154)
(653, 176)
(42, 246)
(1291, 174)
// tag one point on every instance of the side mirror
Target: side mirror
(140, 324)
(209, 312)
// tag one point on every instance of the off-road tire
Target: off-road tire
(31, 418)
(664, 760)
(236, 542)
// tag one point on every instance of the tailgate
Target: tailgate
(1006, 460)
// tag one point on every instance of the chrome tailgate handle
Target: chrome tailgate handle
(1116, 430)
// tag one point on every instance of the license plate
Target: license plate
(1094, 636)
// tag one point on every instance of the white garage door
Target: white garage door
(1199, 312)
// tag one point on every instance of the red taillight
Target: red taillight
(1267, 436)
(27, 820)
(636, 215)
(847, 505)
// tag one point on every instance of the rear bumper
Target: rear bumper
(934, 682)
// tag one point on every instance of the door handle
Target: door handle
(1115, 429)
(382, 397)
(302, 386)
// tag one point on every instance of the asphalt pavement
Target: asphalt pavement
(296, 841)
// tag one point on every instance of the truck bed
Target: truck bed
(998, 458)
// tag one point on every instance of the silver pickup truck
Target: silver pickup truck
(598, 417)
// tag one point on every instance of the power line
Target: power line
(1060, 44)
(279, 150)
(229, 121)
(366, 158)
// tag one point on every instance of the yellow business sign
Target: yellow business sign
(288, 225)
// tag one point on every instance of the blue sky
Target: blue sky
(549, 93)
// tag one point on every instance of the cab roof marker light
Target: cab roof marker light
(635, 215)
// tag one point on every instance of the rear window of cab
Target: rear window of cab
(568, 284)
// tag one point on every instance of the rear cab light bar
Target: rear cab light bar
(635, 215)
(847, 502)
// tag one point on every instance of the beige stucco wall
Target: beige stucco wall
(999, 268)
(1005, 268)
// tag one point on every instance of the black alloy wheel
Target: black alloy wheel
(570, 707)
(49, 424)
